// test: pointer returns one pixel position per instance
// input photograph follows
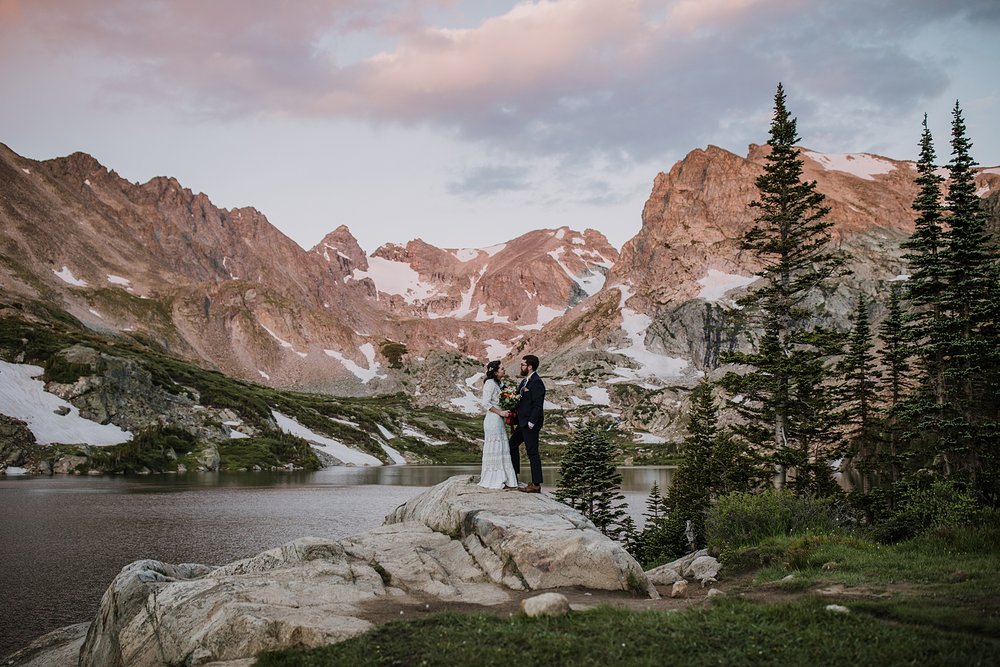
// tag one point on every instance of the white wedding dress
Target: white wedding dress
(497, 470)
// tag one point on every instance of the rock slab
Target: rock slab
(455, 542)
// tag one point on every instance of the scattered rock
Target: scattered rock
(697, 565)
(789, 577)
(714, 593)
(829, 566)
(546, 604)
(62, 410)
(679, 589)
(664, 575)
(837, 609)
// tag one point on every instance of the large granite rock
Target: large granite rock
(524, 538)
(456, 542)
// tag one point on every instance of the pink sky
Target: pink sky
(466, 123)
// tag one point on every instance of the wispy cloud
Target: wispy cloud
(490, 180)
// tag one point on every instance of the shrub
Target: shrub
(746, 519)
(925, 503)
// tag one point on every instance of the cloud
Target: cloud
(629, 80)
(490, 180)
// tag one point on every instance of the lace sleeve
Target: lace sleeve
(491, 396)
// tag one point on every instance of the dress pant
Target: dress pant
(529, 436)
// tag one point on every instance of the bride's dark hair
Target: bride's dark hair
(491, 370)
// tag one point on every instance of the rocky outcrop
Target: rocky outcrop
(17, 443)
(525, 541)
(697, 565)
(455, 542)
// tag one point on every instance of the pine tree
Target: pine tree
(713, 463)
(969, 340)
(589, 481)
(895, 357)
(926, 283)
(860, 377)
(787, 409)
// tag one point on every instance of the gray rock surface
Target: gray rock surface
(546, 604)
(533, 538)
(59, 648)
(697, 565)
(456, 542)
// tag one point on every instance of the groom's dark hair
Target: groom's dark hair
(532, 361)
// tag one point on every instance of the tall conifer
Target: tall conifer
(860, 377)
(787, 409)
(895, 357)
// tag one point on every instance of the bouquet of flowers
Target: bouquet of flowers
(508, 401)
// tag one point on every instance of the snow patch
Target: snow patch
(496, 349)
(27, 171)
(67, 277)
(648, 439)
(715, 284)
(23, 397)
(338, 450)
(283, 342)
(394, 455)
(599, 396)
(263, 374)
(474, 380)
(386, 433)
(560, 233)
(465, 254)
(14, 471)
(423, 437)
(118, 280)
(862, 165)
(650, 363)
(398, 278)
(494, 249)
(366, 375)
(94, 312)
(901, 277)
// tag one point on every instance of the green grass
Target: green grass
(934, 600)
(731, 632)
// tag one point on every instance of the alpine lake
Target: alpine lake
(64, 538)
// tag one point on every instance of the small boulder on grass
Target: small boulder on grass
(679, 589)
(546, 604)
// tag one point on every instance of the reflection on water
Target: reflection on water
(63, 539)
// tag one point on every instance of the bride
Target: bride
(497, 472)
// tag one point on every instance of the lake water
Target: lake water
(63, 539)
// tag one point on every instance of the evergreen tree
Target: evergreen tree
(971, 331)
(895, 358)
(926, 283)
(787, 409)
(860, 377)
(589, 481)
(713, 464)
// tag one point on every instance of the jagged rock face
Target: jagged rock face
(698, 212)
(520, 285)
(164, 265)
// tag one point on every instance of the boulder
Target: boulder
(456, 542)
(59, 647)
(697, 565)
(17, 442)
(529, 537)
(679, 589)
(546, 604)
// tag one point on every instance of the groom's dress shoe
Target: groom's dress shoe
(531, 488)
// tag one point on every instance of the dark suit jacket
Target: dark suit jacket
(530, 404)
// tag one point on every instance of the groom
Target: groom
(531, 397)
